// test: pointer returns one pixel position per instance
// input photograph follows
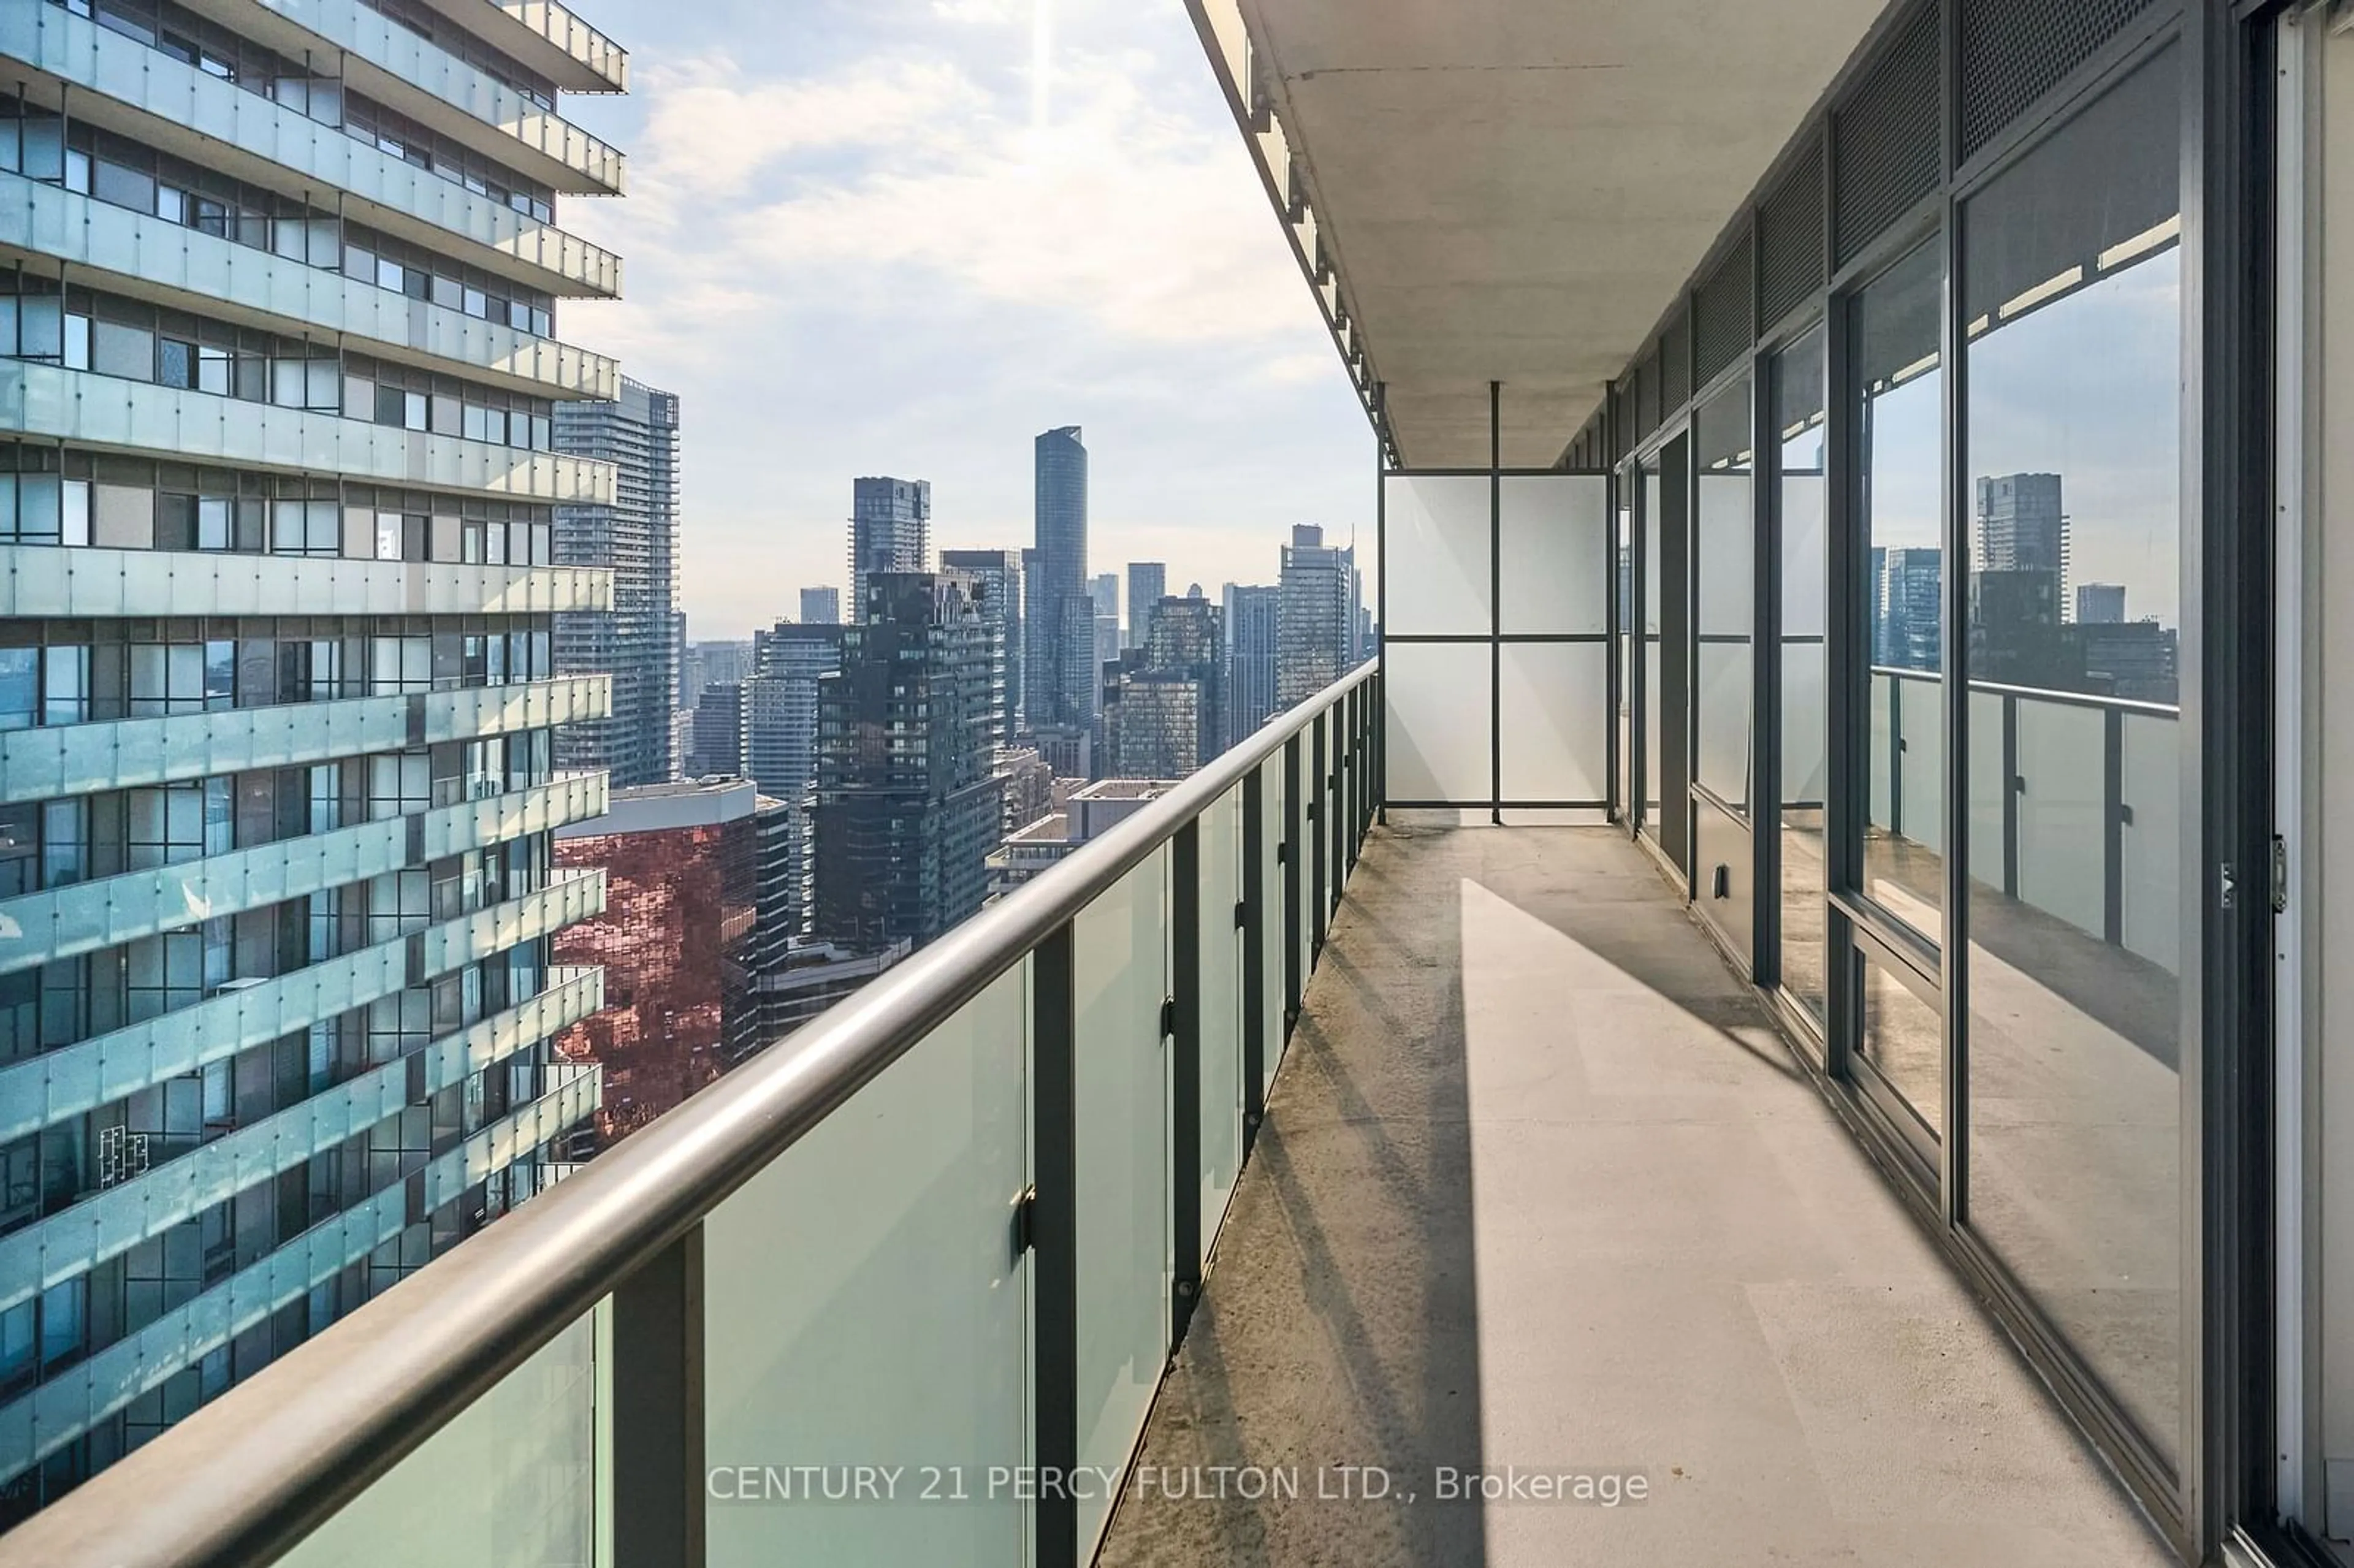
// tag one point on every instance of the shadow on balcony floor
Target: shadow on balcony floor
(1542, 1192)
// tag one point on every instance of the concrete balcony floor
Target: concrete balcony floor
(1541, 1189)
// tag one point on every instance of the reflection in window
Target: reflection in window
(2072, 297)
(1723, 560)
(1899, 462)
(1801, 521)
(1647, 477)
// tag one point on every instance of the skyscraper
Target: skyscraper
(2020, 526)
(908, 803)
(1252, 615)
(999, 575)
(781, 705)
(820, 606)
(1906, 612)
(635, 536)
(307, 1047)
(2100, 604)
(890, 530)
(1147, 581)
(1316, 618)
(1061, 685)
(676, 941)
(1165, 707)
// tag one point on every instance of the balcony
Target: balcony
(1254, 1147)
(171, 1191)
(80, 917)
(48, 1088)
(112, 411)
(395, 66)
(140, 254)
(138, 92)
(53, 760)
(76, 580)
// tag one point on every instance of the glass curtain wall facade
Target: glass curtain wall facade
(1956, 620)
(278, 684)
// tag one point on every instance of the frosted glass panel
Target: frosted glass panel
(1554, 529)
(511, 1483)
(1554, 707)
(2060, 840)
(1221, 1007)
(1989, 713)
(1435, 534)
(1119, 968)
(2150, 844)
(863, 1305)
(1438, 701)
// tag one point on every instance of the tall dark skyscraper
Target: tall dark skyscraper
(635, 536)
(1315, 638)
(907, 800)
(1252, 617)
(1907, 611)
(2022, 529)
(1062, 677)
(890, 530)
(999, 574)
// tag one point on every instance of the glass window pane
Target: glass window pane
(1801, 520)
(2072, 297)
(1722, 561)
(1899, 459)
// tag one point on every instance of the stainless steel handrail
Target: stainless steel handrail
(243, 1481)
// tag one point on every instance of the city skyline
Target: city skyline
(1004, 310)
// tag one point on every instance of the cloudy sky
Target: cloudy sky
(873, 236)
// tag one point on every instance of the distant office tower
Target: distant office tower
(677, 940)
(1252, 617)
(684, 697)
(820, 606)
(1316, 619)
(717, 743)
(890, 530)
(1059, 689)
(999, 574)
(1147, 582)
(279, 667)
(907, 801)
(724, 663)
(781, 705)
(635, 535)
(1906, 588)
(2020, 525)
(1164, 704)
(1107, 648)
(2100, 604)
(1104, 588)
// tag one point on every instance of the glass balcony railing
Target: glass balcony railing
(89, 580)
(50, 761)
(2076, 800)
(37, 216)
(899, 1291)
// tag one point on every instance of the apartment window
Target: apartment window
(171, 824)
(2074, 540)
(1899, 423)
(164, 973)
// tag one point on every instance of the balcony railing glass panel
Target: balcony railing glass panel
(866, 1325)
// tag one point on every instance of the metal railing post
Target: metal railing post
(1185, 1078)
(1293, 898)
(1054, 1237)
(1254, 924)
(658, 1411)
(1319, 812)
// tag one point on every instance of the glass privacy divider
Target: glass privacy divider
(900, 1289)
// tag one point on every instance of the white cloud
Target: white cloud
(846, 189)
